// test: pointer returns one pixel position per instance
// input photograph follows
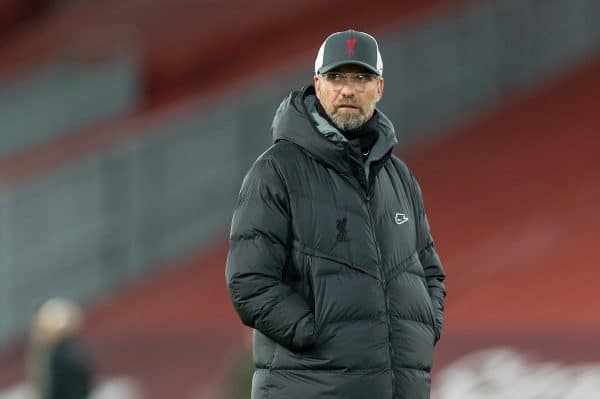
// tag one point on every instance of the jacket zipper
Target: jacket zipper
(383, 286)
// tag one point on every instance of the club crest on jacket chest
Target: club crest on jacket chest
(340, 225)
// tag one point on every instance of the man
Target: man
(59, 367)
(330, 259)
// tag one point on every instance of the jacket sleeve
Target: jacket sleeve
(434, 272)
(259, 249)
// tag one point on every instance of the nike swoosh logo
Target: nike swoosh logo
(400, 218)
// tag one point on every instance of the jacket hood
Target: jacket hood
(297, 120)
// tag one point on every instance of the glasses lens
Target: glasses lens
(358, 80)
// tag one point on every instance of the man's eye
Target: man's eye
(335, 77)
(360, 78)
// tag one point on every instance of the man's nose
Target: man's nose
(347, 89)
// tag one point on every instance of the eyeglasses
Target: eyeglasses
(358, 80)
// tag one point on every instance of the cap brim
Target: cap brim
(329, 67)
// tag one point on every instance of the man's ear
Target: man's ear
(380, 88)
(317, 83)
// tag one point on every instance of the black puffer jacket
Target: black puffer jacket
(335, 270)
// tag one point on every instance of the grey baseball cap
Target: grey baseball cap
(349, 47)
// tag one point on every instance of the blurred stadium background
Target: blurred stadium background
(126, 128)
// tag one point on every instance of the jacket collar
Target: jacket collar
(297, 120)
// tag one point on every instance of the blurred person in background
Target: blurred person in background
(331, 260)
(58, 365)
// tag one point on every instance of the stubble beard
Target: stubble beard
(348, 120)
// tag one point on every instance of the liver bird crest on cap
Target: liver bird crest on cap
(351, 46)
